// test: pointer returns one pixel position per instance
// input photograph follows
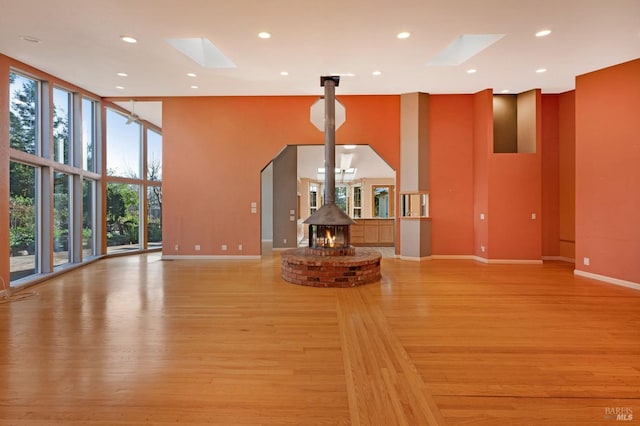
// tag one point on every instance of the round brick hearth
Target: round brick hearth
(304, 268)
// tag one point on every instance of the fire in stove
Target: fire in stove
(330, 239)
(329, 236)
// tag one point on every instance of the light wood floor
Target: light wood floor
(136, 340)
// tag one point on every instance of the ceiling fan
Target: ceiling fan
(132, 117)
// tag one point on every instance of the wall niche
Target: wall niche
(514, 123)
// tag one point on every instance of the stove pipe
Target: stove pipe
(329, 213)
(329, 84)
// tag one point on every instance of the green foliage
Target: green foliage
(22, 238)
(22, 229)
(122, 214)
(154, 232)
(22, 211)
(23, 113)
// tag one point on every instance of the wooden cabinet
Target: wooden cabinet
(385, 233)
(373, 232)
(357, 234)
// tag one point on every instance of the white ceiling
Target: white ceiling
(367, 162)
(81, 44)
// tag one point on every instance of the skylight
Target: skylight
(202, 51)
(463, 48)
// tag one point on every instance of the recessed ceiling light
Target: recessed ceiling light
(120, 87)
(31, 39)
(404, 34)
(194, 87)
(504, 91)
(123, 74)
(349, 147)
(472, 71)
(284, 73)
(128, 39)
(264, 35)
(191, 74)
(377, 73)
(543, 33)
(541, 70)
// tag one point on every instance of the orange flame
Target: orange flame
(331, 239)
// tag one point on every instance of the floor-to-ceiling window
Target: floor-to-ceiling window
(48, 167)
(61, 219)
(88, 217)
(154, 190)
(134, 184)
(89, 186)
(23, 220)
(24, 136)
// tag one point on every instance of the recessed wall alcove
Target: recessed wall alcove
(514, 123)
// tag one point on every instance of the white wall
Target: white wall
(267, 203)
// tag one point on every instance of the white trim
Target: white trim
(455, 256)
(476, 258)
(515, 261)
(414, 259)
(210, 257)
(610, 280)
(267, 241)
(283, 248)
(559, 258)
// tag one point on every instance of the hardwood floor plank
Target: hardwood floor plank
(379, 358)
(137, 340)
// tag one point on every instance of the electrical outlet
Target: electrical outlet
(239, 247)
(223, 247)
(197, 247)
(284, 241)
(533, 216)
(483, 249)
(176, 247)
(586, 261)
(481, 216)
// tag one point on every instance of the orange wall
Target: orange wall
(567, 176)
(215, 147)
(515, 191)
(608, 171)
(550, 176)
(482, 144)
(514, 194)
(451, 174)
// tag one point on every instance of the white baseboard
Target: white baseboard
(515, 261)
(610, 280)
(414, 259)
(455, 257)
(559, 258)
(473, 257)
(500, 261)
(210, 257)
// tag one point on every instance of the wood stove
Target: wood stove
(329, 240)
(328, 236)
(329, 229)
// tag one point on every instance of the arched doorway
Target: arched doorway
(293, 186)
